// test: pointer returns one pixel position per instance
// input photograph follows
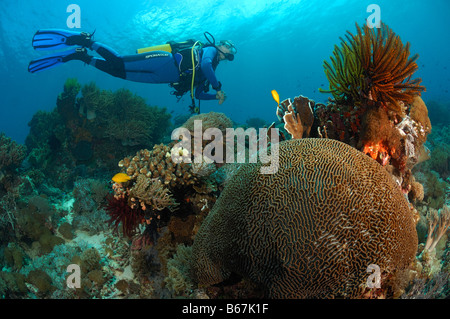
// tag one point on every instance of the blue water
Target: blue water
(281, 45)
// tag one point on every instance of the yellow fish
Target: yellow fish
(121, 178)
(276, 97)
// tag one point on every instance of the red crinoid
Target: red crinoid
(122, 213)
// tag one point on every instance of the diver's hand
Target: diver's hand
(221, 96)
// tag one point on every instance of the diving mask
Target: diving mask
(230, 46)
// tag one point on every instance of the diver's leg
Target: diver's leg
(112, 63)
(152, 67)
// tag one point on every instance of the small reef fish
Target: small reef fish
(121, 178)
(276, 97)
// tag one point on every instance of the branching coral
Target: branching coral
(11, 153)
(94, 99)
(178, 280)
(158, 163)
(151, 192)
(71, 87)
(373, 65)
(8, 209)
(148, 193)
(438, 224)
(131, 133)
(124, 116)
(160, 190)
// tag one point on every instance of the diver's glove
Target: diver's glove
(221, 96)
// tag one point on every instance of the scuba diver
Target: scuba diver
(184, 65)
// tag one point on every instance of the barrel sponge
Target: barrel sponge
(311, 229)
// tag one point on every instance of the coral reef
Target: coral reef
(373, 65)
(309, 250)
(157, 188)
(162, 231)
(121, 213)
(158, 163)
(151, 192)
(208, 120)
(55, 194)
(377, 108)
(438, 112)
(434, 174)
(11, 154)
(178, 278)
(86, 135)
(88, 208)
(256, 122)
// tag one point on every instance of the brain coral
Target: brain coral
(310, 230)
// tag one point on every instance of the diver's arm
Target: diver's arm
(209, 53)
(200, 93)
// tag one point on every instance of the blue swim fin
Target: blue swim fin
(56, 59)
(49, 39)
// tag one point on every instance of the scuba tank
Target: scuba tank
(169, 46)
(187, 64)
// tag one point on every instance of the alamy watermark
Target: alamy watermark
(374, 20)
(374, 280)
(74, 19)
(234, 152)
(74, 279)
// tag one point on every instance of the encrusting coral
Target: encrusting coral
(337, 212)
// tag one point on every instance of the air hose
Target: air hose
(193, 78)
